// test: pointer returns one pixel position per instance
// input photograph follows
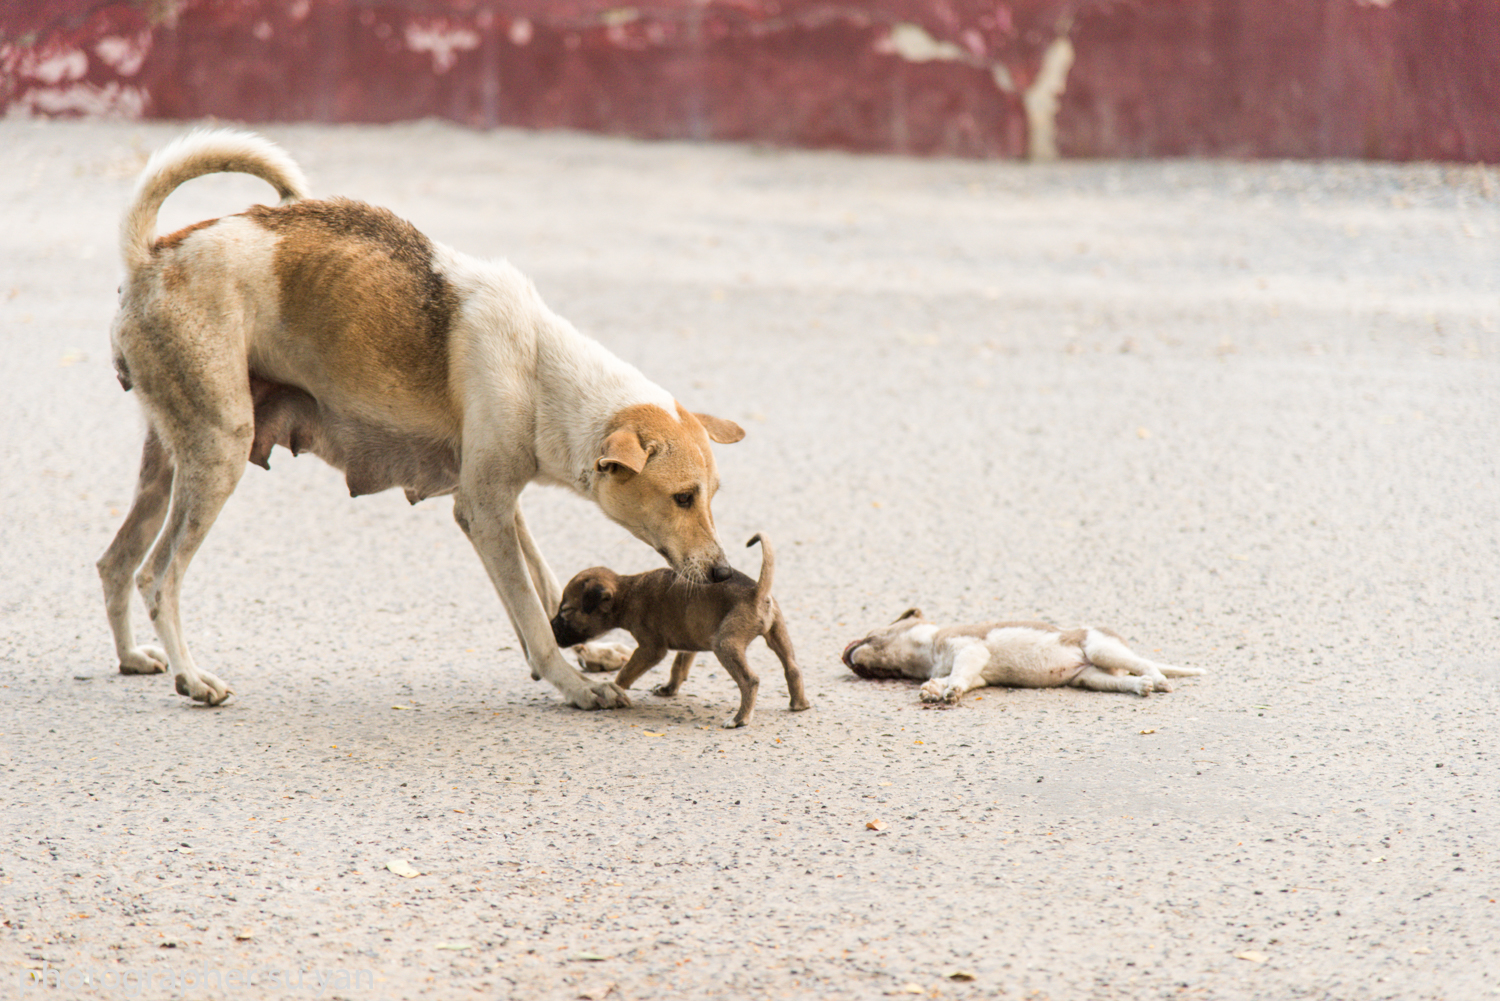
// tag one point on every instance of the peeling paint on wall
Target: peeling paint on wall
(975, 78)
(1043, 99)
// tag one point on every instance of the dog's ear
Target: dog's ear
(622, 450)
(722, 431)
(595, 597)
(910, 613)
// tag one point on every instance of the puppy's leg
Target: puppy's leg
(1102, 681)
(210, 453)
(120, 561)
(967, 675)
(681, 665)
(780, 642)
(1108, 650)
(486, 510)
(646, 656)
(731, 653)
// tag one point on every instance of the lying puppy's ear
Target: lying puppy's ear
(595, 597)
(910, 613)
(722, 431)
(622, 450)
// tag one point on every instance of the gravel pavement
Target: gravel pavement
(1246, 414)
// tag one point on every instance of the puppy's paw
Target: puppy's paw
(208, 689)
(606, 696)
(939, 690)
(1142, 686)
(666, 690)
(734, 722)
(144, 660)
(596, 658)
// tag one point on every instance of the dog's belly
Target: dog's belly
(372, 457)
(1031, 658)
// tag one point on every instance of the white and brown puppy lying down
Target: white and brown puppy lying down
(664, 612)
(953, 660)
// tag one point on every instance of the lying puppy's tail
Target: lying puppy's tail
(1104, 649)
(202, 151)
(767, 569)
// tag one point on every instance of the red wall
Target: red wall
(1392, 79)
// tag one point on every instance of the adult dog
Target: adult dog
(336, 328)
(953, 660)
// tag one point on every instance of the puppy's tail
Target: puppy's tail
(202, 151)
(767, 569)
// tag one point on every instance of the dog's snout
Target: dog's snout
(720, 573)
(564, 634)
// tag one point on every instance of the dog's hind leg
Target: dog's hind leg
(732, 655)
(120, 561)
(1108, 650)
(681, 665)
(1102, 681)
(210, 455)
(780, 642)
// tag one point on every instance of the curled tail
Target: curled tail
(202, 151)
(767, 569)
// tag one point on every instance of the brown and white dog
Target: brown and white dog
(953, 660)
(663, 612)
(336, 328)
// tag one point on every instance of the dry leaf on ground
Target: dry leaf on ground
(402, 868)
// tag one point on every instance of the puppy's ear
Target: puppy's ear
(722, 431)
(622, 450)
(596, 597)
(910, 613)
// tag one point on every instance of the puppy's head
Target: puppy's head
(899, 650)
(657, 478)
(588, 607)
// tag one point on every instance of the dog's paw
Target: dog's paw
(594, 658)
(940, 691)
(1142, 686)
(606, 696)
(666, 690)
(734, 722)
(144, 660)
(209, 690)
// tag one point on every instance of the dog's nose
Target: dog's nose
(720, 573)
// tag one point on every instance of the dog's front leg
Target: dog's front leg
(491, 527)
(967, 675)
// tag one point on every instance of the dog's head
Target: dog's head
(588, 607)
(657, 478)
(899, 650)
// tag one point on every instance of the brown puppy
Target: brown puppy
(664, 612)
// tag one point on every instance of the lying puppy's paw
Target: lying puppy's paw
(938, 690)
(1142, 686)
(598, 657)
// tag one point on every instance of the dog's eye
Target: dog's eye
(684, 500)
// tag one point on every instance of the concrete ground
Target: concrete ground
(1247, 414)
